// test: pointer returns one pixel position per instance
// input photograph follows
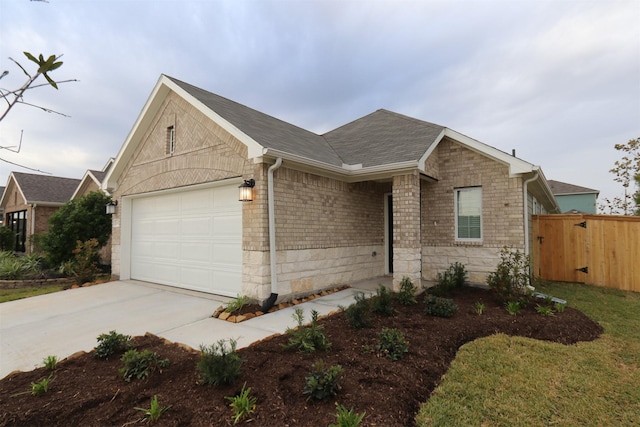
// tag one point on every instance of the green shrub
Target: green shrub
(359, 313)
(513, 307)
(441, 307)
(236, 304)
(11, 269)
(559, 307)
(112, 343)
(155, 411)
(50, 362)
(306, 338)
(85, 261)
(544, 310)
(347, 418)
(512, 277)
(80, 219)
(7, 239)
(219, 364)
(243, 404)
(407, 294)
(382, 303)
(41, 387)
(138, 365)
(479, 307)
(323, 382)
(454, 277)
(392, 344)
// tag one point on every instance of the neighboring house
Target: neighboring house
(28, 202)
(573, 198)
(385, 194)
(92, 181)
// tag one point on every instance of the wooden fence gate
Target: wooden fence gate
(602, 250)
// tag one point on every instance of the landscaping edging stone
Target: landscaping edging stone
(31, 283)
(230, 317)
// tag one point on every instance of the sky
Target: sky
(558, 81)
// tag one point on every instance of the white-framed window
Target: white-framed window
(468, 208)
(171, 139)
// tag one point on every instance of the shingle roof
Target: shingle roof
(98, 174)
(383, 137)
(559, 188)
(264, 129)
(45, 188)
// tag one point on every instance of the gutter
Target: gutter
(525, 194)
(272, 237)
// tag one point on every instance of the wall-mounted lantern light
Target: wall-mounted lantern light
(111, 207)
(246, 190)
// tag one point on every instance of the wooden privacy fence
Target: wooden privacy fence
(602, 250)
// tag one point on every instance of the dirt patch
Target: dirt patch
(89, 392)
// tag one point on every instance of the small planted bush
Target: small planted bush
(138, 365)
(544, 310)
(437, 306)
(479, 307)
(359, 313)
(323, 382)
(454, 277)
(155, 411)
(407, 294)
(307, 338)
(513, 307)
(382, 303)
(219, 364)
(112, 343)
(512, 280)
(347, 417)
(392, 344)
(50, 362)
(559, 307)
(242, 405)
(41, 387)
(236, 304)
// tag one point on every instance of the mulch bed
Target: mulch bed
(86, 391)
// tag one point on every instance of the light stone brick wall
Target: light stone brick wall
(407, 254)
(326, 233)
(502, 212)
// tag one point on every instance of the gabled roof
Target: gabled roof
(43, 189)
(89, 176)
(376, 146)
(564, 189)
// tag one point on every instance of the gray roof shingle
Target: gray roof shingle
(559, 188)
(383, 137)
(264, 129)
(44, 188)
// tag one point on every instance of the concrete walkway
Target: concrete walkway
(63, 323)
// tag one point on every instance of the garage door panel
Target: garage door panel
(191, 239)
(196, 226)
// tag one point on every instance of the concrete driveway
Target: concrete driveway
(62, 323)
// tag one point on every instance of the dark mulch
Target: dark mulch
(86, 391)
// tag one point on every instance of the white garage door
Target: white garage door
(190, 239)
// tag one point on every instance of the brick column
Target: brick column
(407, 252)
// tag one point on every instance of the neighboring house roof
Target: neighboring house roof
(89, 176)
(43, 189)
(563, 189)
(377, 145)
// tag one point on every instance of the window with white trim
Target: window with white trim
(171, 140)
(468, 208)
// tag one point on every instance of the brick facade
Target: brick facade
(502, 212)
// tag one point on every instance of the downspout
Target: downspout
(526, 211)
(272, 237)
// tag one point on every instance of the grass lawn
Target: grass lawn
(13, 294)
(513, 381)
